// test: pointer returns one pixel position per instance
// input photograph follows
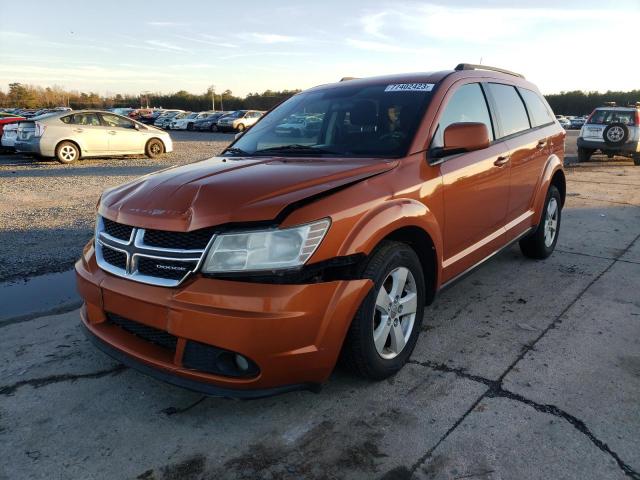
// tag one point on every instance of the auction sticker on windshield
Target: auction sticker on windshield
(409, 87)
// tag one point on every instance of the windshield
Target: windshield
(606, 117)
(349, 121)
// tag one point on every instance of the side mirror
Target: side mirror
(465, 137)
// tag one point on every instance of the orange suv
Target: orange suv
(251, 273)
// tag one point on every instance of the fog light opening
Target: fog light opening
(241, 363)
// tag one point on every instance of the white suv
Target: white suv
(612, 130)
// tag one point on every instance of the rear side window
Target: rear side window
(511, 112)
(466, 105)
(82, 119)
(538, 111)
(607, 117)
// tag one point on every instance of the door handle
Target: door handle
(501, 160)
(111, 132)
(541, 144)
(78, 130)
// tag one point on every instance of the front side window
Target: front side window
(538, 111)
(466, 105)
(116, 121)
(346, 121)
(510, 109)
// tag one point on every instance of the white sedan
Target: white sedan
(186, 122)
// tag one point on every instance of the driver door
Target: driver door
(122, 134)
(475, 185)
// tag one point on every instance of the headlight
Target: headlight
(273, 249)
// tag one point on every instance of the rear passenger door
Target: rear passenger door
(476, 185)
(521, 125)
(87, 131)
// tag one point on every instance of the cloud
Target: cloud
(386, 47)
(166, 46)
(208, 40)
(167, 24)
(269, 38)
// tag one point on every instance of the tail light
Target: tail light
(39, 129)
(637, 118)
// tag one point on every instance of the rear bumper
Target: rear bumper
(28, 146)
(629, 147)
(293, 333)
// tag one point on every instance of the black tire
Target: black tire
(240, 127)
(615, 134)
(67, 152)
(154, 148)
(535, 245)
(359, 353)
(636, 159)
(584, 154)
(189, 126)
(214, 128)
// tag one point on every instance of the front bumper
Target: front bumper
(629, 147)
(293, 333)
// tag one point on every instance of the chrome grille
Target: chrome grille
(135, 258)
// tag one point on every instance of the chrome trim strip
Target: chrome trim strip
(135, 249)
(492, 236)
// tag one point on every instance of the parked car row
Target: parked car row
(69, 136)
(238, 120)
(32, 112)
(571, 122)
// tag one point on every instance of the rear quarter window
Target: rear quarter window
(539, 113)
(511, 113)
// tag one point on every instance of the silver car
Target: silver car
(239, 120)
(88, 133)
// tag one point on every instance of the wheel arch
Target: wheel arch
(75, 142)
(164, 146)
(407, 221)
(552, 173)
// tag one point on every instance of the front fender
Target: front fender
(388, 217)
(551, 167)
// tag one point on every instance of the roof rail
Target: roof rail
(471, 66)
(345, 79)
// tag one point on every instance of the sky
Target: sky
(135, 46)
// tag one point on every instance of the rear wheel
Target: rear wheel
(240, 127)
(67, 152)
(584, 154)
(541, 243)
(190, 126)
(154, 148)
(385, 329)
(214, 128)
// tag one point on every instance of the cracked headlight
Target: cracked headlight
(273, 249)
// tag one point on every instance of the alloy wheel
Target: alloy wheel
(551, 222)
(395, 313)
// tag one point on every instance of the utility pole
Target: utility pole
(213, 97)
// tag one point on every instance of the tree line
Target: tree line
(27, 96)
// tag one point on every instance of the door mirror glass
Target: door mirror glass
(465, 137)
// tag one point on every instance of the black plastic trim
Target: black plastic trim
(338, 268)
(193, 385)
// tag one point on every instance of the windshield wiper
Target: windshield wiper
(294, 148)
(236, 151)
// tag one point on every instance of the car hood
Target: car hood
(224, 190)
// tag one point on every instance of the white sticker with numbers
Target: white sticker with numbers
(409, 87)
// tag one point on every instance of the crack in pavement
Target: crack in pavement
(44, 381)
(57, 310)
(596, 256)
(496, 390)
(175, 410)
(495, 386)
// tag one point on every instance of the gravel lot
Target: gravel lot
(47, 210)
(525, 370)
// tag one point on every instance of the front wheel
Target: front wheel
(190, 126)
(214, 128)
(67, 152)
(240, 127)
(584, 154)
(385, 329)
(541, 243)
(154, 148)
